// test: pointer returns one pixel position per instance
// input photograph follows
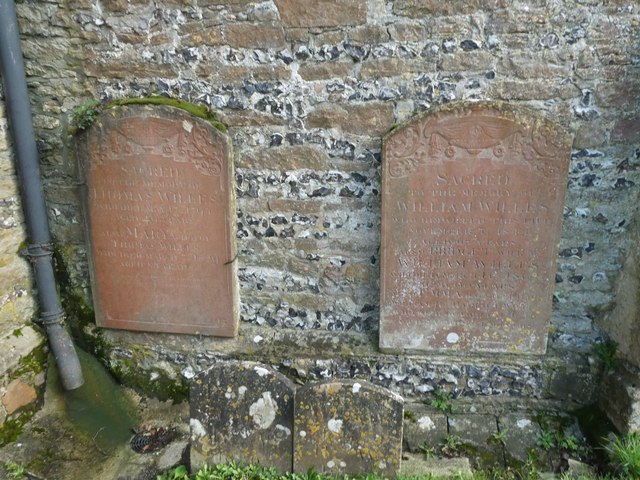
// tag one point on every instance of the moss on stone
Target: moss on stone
(44, 458)
(80, 315)
(199, 111)
(22, 247)
(81, 320)
(31, 364)
(410, 416)
(127, 372)
(87, 113)
(11, 429)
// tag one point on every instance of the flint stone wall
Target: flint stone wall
(307, 92)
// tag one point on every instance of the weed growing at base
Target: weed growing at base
(624, 453)
(443, 401)
(237, 471)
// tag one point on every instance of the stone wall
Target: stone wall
(308, 89)
(622, 323)
(21, 346)
(620, 391)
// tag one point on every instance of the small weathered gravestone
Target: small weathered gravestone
(242, 411)
(159, 212)
(472, 201)
(347, 427)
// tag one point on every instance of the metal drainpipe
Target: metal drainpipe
(40, 249)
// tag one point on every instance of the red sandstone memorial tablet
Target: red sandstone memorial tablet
(158, 206)
(471, 214)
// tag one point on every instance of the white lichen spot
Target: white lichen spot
(343, 464)
(582, 212)
(523, 423)
(334, 425)
(331, 464)
(425, 423)
(197, 430)
(188, 373)
(147, 54)
(261, 371)
(241, 391)
(302, 433)
(453, 337)
(382, 465)
(284, 429)
(263, 411)
(356, 387)
(257, 339)
(154, 376)
(188, 126)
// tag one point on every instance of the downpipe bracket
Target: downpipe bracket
(51, 318)
(33, 253)
(37, 250)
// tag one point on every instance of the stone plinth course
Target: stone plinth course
(423, 427)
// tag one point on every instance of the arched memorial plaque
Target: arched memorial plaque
(242, 411)
(158, 205)
(471, 214)
(347, 427)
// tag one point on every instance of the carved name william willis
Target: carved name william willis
(471, 215)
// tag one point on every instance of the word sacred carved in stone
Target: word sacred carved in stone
(471, 216)
(158, 207)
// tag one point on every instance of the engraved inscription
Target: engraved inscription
(157, 202)
(472, 203)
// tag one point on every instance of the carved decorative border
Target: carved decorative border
(507, 141)
(129, 136)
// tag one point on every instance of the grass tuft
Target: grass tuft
(624, 453)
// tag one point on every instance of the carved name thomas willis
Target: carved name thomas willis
(158, 205)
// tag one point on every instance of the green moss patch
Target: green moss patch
(128, 372)
(86, 114)
(11, 429)
(31, 364)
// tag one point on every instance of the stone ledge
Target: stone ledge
(415, 464)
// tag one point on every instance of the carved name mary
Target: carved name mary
(471, 213)
(158, 209)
